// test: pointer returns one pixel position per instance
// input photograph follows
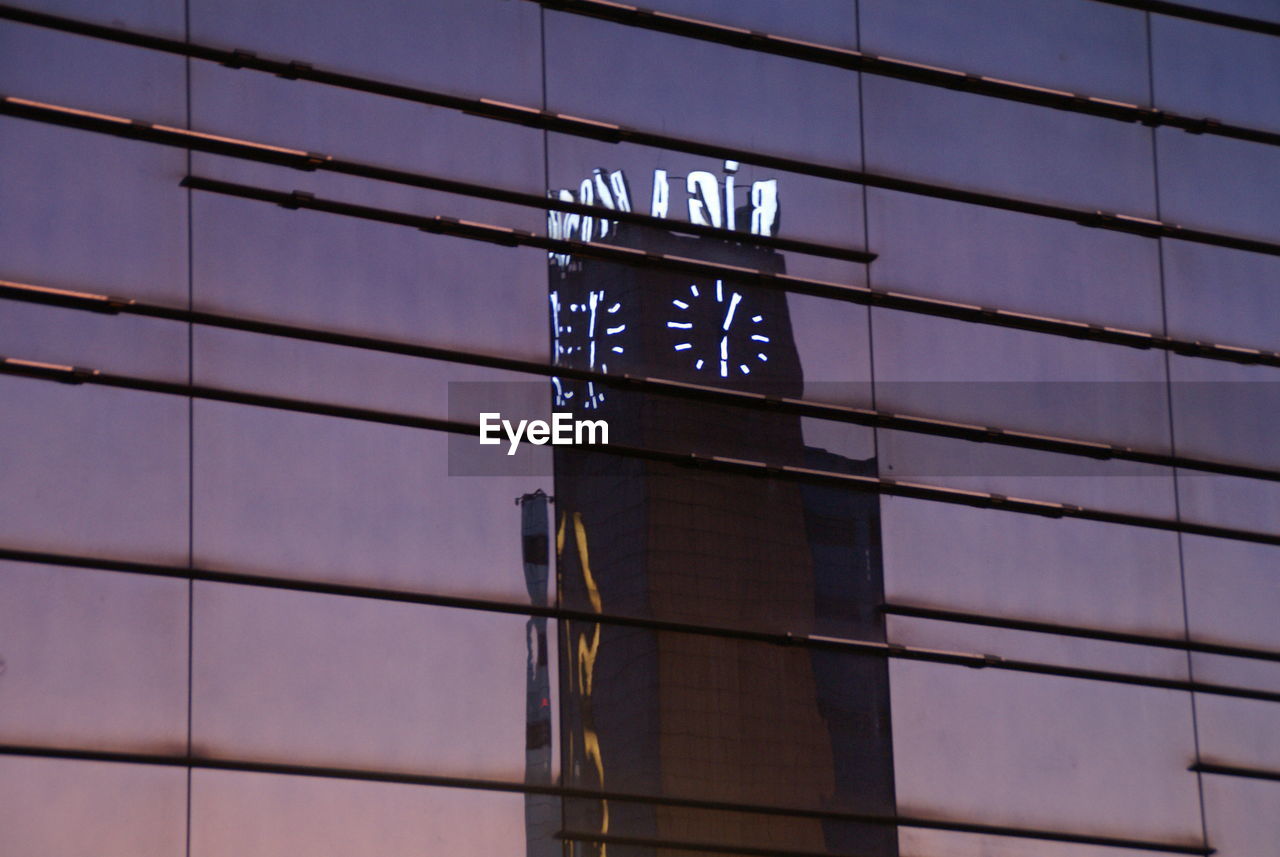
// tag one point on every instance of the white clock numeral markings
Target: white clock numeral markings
(564, 349)
(730, 314)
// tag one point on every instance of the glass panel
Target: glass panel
(720, 94)
(382, 510)
(472, 47)
(1222, 296)
(1116, 486)
(1225, 412)
(1015, 261)
(1241, 815)
(1233, 596)
(60, 808)
(160, 16)
(69, 451)
(1002, 147)
(1238, 732)
(371, 129)
(1219, 184)
(334, 374)
(316, 679)
(96, 74)
(1090, 48)
(325, 270)
(683, 544)
(92, 213)
(1203, 70)
(93, 659)
(1041, 751)
(703, 717)
(1021, 566)
(256, 815)
(1021, 380)
(1230, 501)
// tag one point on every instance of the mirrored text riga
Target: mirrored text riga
(709, 200)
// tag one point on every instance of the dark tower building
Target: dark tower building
(687, 715)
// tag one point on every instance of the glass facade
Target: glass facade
(896, 548)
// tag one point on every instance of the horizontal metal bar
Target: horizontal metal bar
(1234, 771)
(366, 775)
(217, 144)
(1074, 631)
(609, 132)
(750, 851)
(1199, 13)
(882, 66)
(711, 463)
(851, 646)
(10, 290)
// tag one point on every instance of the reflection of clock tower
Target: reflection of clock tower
(683, 714)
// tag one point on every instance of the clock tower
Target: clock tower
(680, 715)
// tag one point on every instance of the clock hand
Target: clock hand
(733, 304)
(593, 301)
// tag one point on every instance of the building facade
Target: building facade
(936, 340)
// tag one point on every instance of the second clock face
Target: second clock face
(585, 336)
(717, 331)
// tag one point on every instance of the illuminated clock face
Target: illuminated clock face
(586, 333)
(714, 329)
